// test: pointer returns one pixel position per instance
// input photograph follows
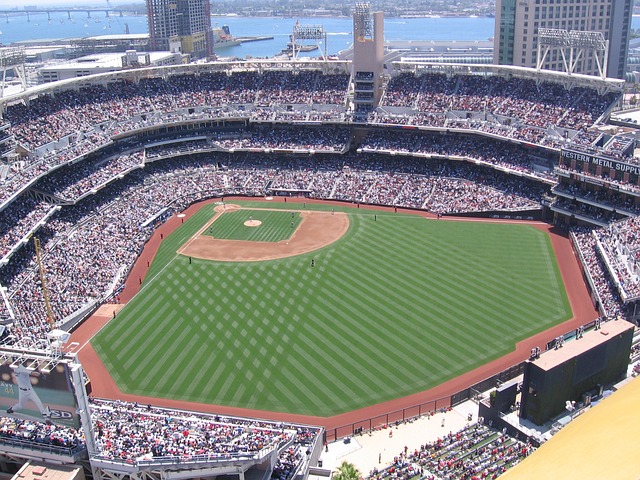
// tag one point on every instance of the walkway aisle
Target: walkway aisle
(363, 450)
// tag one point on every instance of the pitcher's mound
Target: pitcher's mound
(252, 223)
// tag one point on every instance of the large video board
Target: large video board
(37, 389)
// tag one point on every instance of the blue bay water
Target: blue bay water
(340, 36)
(339, 30)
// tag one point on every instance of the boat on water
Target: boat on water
(222, 38)
(299, 48)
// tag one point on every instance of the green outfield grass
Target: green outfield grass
(276, 225)
(400, 304)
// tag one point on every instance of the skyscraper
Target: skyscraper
(518, 23)
(180, 26)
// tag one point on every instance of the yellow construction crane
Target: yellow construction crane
(43, 282)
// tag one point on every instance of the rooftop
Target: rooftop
(104, 60)
(552, 358)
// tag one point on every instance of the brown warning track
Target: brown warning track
(103, 385)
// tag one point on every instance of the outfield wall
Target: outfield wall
(473, 392)
(501, 214)
(391, 418)
(431, 407)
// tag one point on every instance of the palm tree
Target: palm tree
(346, 471)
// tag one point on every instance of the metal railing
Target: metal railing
(431, 407)
(14, 442)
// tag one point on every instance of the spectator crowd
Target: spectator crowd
(602, 286)
(112, 204)
(543, 113)
(134, 434)
(619, 246)
(58, 129)
(55, 129)
(477, 451)
(89, 247)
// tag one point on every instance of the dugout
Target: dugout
(576, 368)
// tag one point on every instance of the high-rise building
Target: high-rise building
(180, 26)
(518, 23)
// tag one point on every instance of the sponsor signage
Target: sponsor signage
(600, 161)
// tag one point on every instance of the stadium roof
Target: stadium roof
(601, 443)
(70, 40)
(125, 36)
(102, 60)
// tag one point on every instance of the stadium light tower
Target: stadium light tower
(574, 44)
(13, 59)
(368, 59)
(363, 23)
(307, 32)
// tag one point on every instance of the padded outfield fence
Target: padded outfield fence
(431, 407)
(391, 418)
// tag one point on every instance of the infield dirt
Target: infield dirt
(316, 230)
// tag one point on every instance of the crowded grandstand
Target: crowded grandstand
(93, 165)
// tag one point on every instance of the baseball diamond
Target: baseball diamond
(232, 225)
(397, 305)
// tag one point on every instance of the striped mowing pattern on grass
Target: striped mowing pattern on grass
(276, 225)
(400, 304)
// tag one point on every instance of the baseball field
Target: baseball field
(393, 305)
